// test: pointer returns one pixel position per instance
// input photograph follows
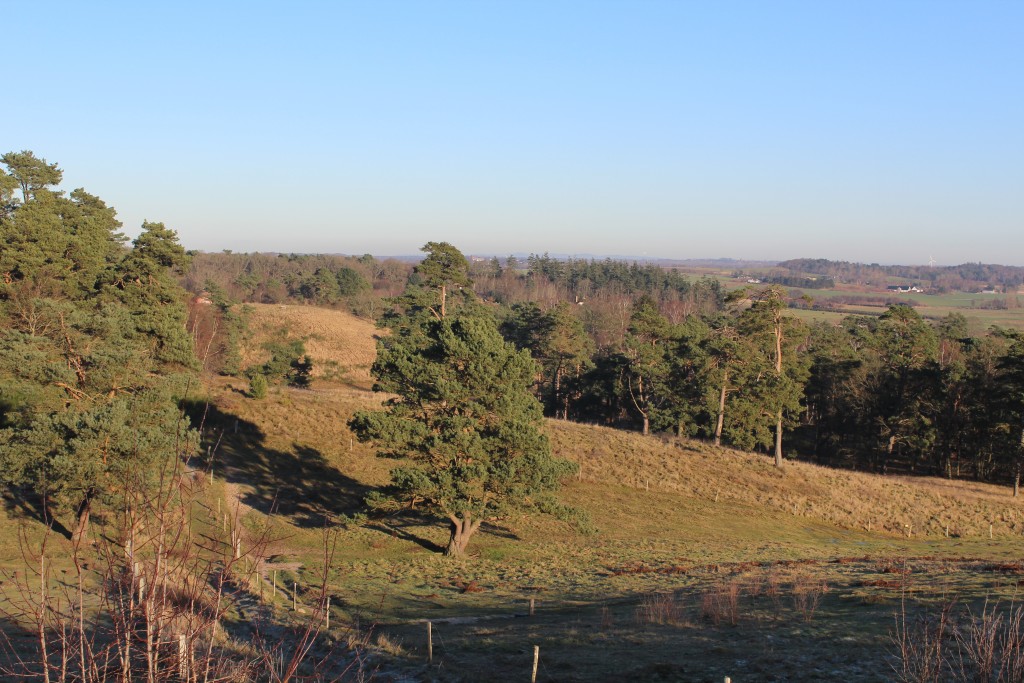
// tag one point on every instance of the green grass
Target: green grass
(673, 517)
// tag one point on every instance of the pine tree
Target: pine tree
(90, 372)
(777, 335)
(463, 415)
(646, 361)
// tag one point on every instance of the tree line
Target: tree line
(637, 346)
(884, 393)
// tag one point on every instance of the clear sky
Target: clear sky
(880, 131)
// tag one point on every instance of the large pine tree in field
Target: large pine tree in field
(462, 414)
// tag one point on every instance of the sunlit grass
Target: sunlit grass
(674, 517)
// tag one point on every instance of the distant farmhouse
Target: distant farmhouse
(904, 289)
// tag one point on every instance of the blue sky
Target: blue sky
(869, 131)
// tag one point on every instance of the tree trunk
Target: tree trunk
(82, 525)
(558, 388)
(778, 440)
(889, 450)
(778, 369)
(461, 530)
(1020, 456)
(721, 411)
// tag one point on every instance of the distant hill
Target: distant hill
(964, 277)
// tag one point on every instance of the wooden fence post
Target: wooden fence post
(536, 660)
(183, 657)
(430, 643)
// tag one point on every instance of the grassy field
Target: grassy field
(930, 306)
(706, 563)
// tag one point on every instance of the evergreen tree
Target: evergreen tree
(90, 373)
(713, 362)
(1011, 400)
(778, 336)
(463, 415)
(646, 362)
(443, 268)
(31, 173)
(557, 341)
(906, 346)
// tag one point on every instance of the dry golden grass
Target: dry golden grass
(915, 506)
(335, 340)
(852, 500)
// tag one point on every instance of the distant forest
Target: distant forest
(966, 277)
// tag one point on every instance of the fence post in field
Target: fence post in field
(430, 643)
(536, 660)
(183, 657)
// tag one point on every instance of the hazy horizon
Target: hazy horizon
(874, 132)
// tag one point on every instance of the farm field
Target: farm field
(706, 562)
(930, 306)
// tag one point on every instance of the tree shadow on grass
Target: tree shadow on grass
(19, 650)
(22, 501)
(402, 526)
(298, 482)
(406, 525)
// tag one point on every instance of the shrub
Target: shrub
(721, 604)
(807, 594)
(659, 608)
(258, 386)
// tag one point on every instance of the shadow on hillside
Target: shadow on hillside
(409, 524)
(18, 650)
(23, 502)
(298, 482)
(405, 527)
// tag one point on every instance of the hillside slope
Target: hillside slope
(707, 562)
(339, 343)
(689, 469)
